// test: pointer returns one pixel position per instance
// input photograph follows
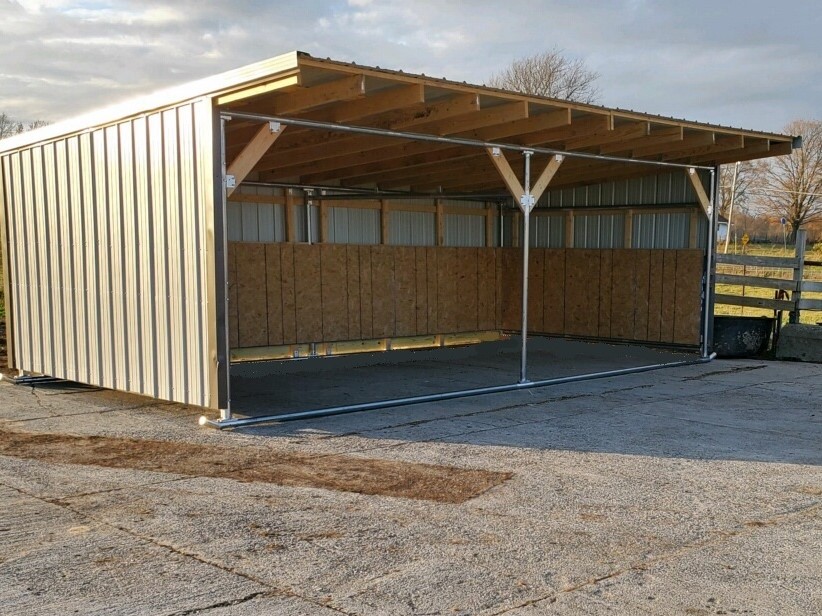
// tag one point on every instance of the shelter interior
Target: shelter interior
(345, 242)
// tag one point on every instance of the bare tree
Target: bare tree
(550, 74)
(792, 184)
(10, 127)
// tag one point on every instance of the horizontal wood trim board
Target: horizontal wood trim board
(291, 293)
(754, 302)
(757, 281)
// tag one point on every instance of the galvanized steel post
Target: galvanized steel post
(707, 304)
(225, 406)
(526, 203)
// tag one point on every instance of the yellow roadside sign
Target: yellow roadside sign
(745, 239)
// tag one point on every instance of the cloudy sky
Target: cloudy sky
(750, 63)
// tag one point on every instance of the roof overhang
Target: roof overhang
(297, 85)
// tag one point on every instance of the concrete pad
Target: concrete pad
(694, 490)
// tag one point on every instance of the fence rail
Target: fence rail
(787, 278)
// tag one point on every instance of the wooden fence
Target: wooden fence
(777, 273)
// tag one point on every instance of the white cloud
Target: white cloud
(728, 62)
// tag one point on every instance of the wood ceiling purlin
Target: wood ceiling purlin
(620, 133)
(536, 121)
(381, 102)
(319, 146)
(780, 148)
(722, 143)
(481, 118)
(752, 148)
(375, 98)
(579, 127)
(387, 161)
(362, 165)
(418, 119)
(304, 98)
(413, 166)
(659, 135)
(688, 142)
(436, 171)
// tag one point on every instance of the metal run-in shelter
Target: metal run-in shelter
(301, 207)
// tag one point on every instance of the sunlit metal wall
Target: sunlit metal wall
(109, 234)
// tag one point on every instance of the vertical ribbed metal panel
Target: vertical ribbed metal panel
(354, 225)
(547, 231)
(464, 230)
(661, 230)
(256, 222)
(107, 231)
(412, 228)
(599, 231)
(672, 188)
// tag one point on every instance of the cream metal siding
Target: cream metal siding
(109, 235)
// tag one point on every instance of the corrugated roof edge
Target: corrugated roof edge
(581, 106)
(161, 99)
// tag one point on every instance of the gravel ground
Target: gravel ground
(694, 490)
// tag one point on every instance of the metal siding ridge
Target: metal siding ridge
(104, 341)
(130, 260)
(32, 362)
(146, 273)
(117, 295)
(53, 258)
(78, 260)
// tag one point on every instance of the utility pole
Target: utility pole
(731, 208)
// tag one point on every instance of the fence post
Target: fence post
(798, 272)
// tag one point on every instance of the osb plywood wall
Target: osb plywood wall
(297, 293)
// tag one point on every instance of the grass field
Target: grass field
(768, 250)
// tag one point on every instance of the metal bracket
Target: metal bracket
(230, 181)
(527, 201)
(274, 127)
